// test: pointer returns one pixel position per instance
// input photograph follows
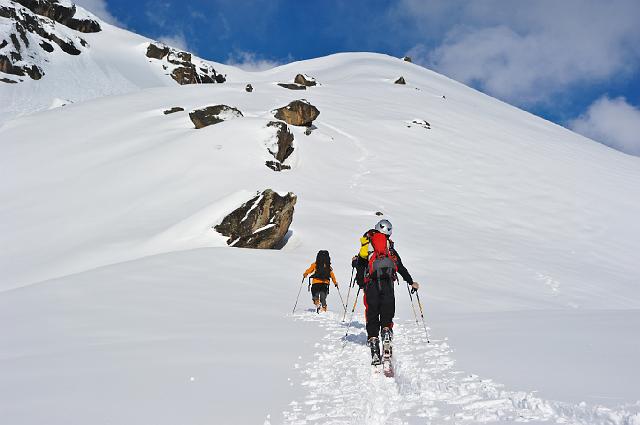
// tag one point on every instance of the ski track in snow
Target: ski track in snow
(340, 387)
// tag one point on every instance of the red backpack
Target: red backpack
(382, 264)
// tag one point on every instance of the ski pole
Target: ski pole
(351, 319)
(412, 306)
(298, 297)
(422, 315)
(341, 300)
(344, 316)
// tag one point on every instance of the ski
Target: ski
(387, 367)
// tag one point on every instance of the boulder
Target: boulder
(281, 147)
(304, 80)
(262, 222)
(292, 86)
(157, 52)
(213, 115)
(298, 112)
(248, 88)
(173, 110)
(400, 81)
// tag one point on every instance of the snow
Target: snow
(120, 304)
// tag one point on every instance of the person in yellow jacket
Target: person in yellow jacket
(322, 272)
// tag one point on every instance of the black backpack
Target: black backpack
(323, 266)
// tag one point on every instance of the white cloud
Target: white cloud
(249, 61)
(179, 41)
(525, 52)
(613, 122)
(100, 9)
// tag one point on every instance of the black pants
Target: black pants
(380, 306)
(320, 291)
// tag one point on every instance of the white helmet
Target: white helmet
(384, 226)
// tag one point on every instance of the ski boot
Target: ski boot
(317, 304)
(324, 309)
(374, 344)
(387, 336)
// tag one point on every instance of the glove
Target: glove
(336, 283)
(414, 287)
(354, 261)
(304, 275)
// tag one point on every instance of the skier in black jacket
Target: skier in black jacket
(376, 266)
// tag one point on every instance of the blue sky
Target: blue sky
(574, 62)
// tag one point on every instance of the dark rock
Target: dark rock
(16, 43)
(173, 110)
(157, 52)
(261, 223)
(248, 88)
(379, 213)
(292, 86)
(285, 141)
(7, 66)
(298, 112)
(3, 44)
(186, 75)
(407, 59)
(186, 72)
(212, 115)
(8, 81)
(400, 81)
(61, 14)
(34, 72)
(46, 46)
(302, 80)
(179, 58)
(276, 166)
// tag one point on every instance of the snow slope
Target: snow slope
(121, 305)
(113, 62)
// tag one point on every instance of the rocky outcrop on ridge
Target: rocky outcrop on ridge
(298, 112)
(182, 67)
(213, 115)
(30, 30)
(280, 146)
(262, 222)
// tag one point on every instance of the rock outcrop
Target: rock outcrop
(407, 59)
(305, 80)
(32, 28)
(248, 88)
(400, 81)
(213, 115)
(281, 146)
(292, 86)
(182, 67)
(298, 112)
(420, 123)
(173, 110)
(61, 13)
(262, 222)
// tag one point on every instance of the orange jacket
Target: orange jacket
(312, 269)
